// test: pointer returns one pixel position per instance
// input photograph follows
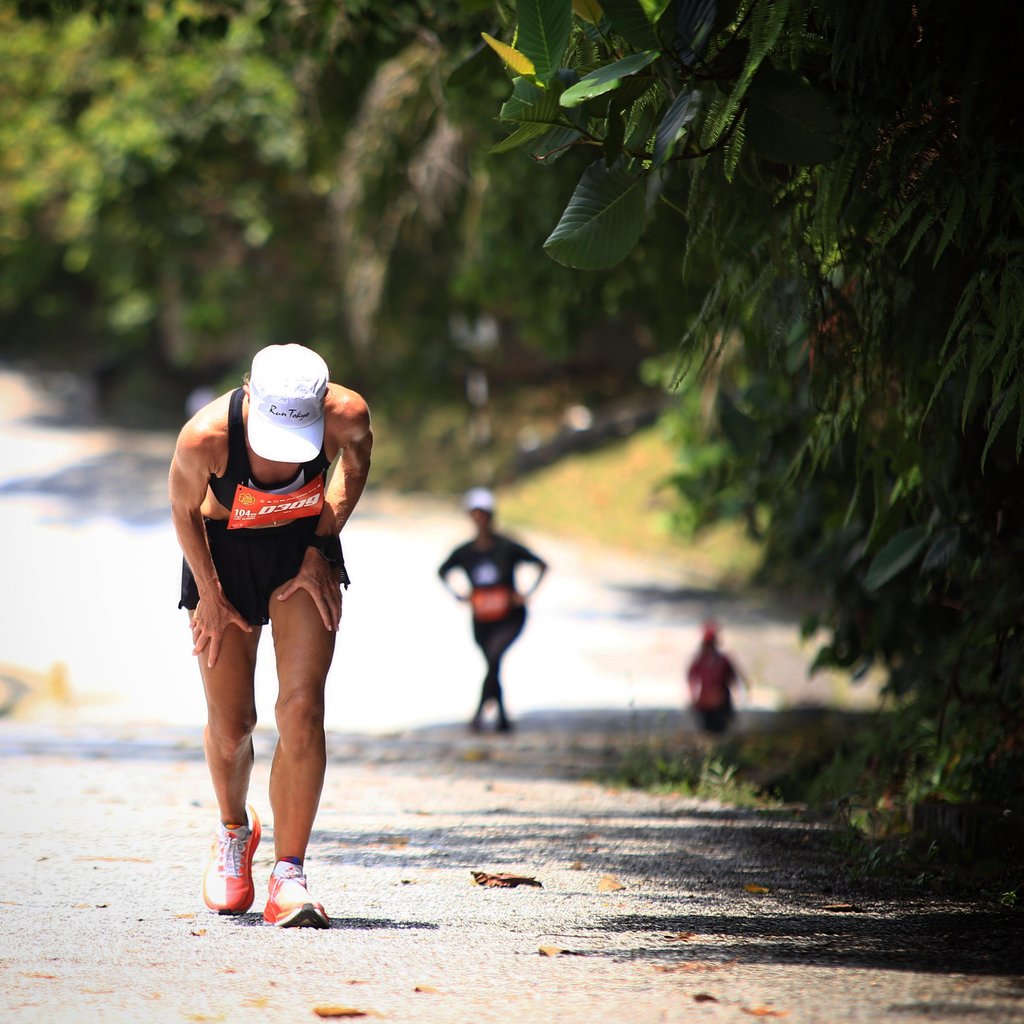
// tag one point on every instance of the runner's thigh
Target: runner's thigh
(303, 646)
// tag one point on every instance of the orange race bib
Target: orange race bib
(258, 508)
(491, 603)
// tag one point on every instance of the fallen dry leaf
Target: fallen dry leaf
(185, 917)
(198, 931)
(681, 937)
(764, 1011)
(704, 997)
(503, 881)
(843, 908)
(475, 754)
(338, 1011)
(256, 1002)
(609, 883)
(551, 950)
(751, 887)
(396, 840)
(426, 990)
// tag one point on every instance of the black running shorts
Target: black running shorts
(252, 564)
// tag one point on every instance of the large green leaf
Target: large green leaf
(554, 144)
(603, 80)
(603, 221)
(529, 102)
(630, 21)
(544, 27)
(676, 118)
(788, 121)
(691, 23)
(522, 135)
(898, 553)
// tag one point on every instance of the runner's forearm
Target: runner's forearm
(346, 486)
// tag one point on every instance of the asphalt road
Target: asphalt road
(650, 909)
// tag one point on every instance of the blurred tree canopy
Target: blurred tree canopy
(852, 174)
(183, 182)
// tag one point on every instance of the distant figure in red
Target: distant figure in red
(711, 677)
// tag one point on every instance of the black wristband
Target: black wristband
(329, 547)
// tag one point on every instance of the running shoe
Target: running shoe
(227, 883)
(289, 904)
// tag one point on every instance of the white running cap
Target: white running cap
(478, 498)
(287, 386)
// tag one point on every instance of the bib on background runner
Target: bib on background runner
(491, 603)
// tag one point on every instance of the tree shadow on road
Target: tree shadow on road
(130, 486)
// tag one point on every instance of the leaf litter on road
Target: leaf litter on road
(503, 881)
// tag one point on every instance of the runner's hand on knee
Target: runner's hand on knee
(211, 618)
(320, 580)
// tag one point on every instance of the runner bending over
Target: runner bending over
(499, 611)
(258, 512)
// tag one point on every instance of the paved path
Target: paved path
(664, 909)
(667, 910)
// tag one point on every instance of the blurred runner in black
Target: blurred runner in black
(499, 611)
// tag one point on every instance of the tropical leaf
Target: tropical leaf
(897, 554)
(518, 62)
(673, 124)
(630, 21)
(529, 102)
(603, 221)
(553, 144)
(954, 215)
(942, 549)
(544, 28)
(520, 137)
(589, 10)
(788, 121)
(603, 80)
(766, 26)
(694, 24)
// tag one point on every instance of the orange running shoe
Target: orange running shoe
(289, 904)
(227, 883)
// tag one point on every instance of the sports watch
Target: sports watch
(329, 547)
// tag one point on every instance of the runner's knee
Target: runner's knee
(300, 718)
(230, 734)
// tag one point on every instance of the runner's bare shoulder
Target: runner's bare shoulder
(347, 417)
(203, 440)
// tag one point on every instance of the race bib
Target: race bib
(257, 508)
(491, 603)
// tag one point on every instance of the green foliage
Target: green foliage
(843, 182)
(662, 769)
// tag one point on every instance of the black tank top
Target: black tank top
(238, 470)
